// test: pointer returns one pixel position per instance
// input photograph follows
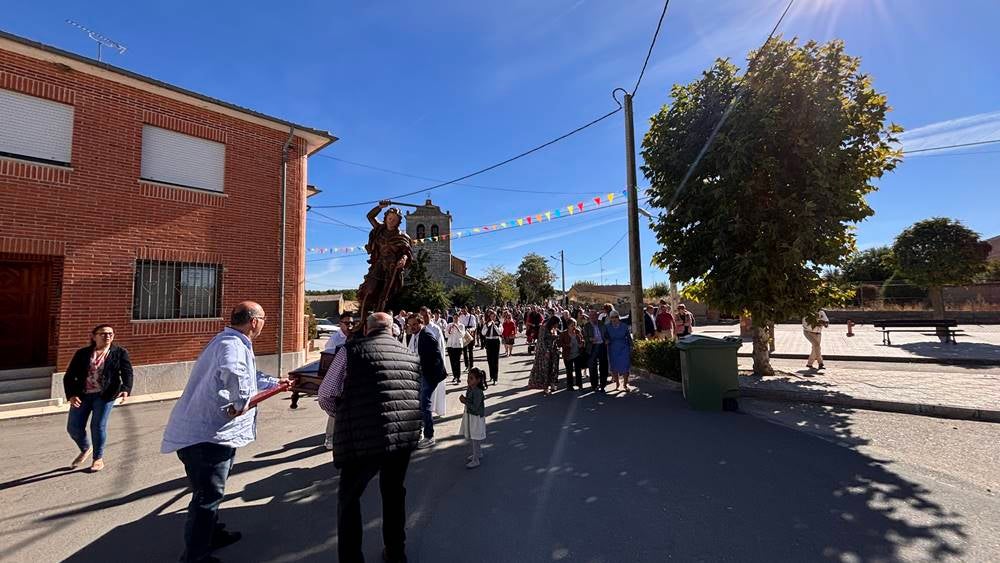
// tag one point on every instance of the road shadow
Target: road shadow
(988, 353)
(591, 477)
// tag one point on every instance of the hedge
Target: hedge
(660, 357)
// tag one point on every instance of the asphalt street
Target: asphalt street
(573, 477)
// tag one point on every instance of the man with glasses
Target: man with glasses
(335, 343)
(211, 420)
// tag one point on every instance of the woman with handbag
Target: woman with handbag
(97, 376)
(490, 334)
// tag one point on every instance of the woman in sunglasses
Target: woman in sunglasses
(97, 376)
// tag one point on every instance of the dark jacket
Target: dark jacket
(379, 411)
(566, 343)
(588, 336)
(431, 364)
(650, 324)
(115, 378)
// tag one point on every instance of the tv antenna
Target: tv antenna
(101, 40)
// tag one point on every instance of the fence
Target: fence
(901, 296)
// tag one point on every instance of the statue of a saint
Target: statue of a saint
(389, 254)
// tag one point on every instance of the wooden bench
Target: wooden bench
(946, 326)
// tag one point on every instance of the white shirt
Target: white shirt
(820, 319)
(454, 332)
(468, 321)
(336, 340)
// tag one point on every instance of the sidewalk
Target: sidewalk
(947, 392)
(980, 345)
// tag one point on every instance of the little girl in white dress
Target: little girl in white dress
(474, 419)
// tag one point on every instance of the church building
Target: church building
(426, 221)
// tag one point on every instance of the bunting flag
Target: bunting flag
(529, 219)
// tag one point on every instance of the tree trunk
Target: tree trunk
(937, 302)
(761, 351)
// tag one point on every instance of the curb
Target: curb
(63, 408)
(884, 359)
(920, 409)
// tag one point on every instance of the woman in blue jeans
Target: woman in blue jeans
(97, 376)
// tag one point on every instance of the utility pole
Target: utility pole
(634, 256)
(562, 264)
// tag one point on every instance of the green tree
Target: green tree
(771, 201)
(419, 289)
(991, 273)
(501, 285)
(313, 333)
(897, 290)
(462, 295)
(937, 252)
(534, 279)
(872, 265)
(657, 290)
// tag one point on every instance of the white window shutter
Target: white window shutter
(35, 128)
(182, 160)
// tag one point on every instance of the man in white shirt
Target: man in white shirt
(468, 322)
(334, 343)
(814, 333)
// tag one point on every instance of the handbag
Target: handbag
(467, 338)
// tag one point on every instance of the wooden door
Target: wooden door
(24, 314)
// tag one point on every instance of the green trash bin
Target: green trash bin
(709, 371)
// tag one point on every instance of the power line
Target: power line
(491, 231)
(608, 251)
(338, 221)
(651, 44)
(960, 145)
(483, 170)
(477, 186)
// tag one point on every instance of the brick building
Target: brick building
(133, 202)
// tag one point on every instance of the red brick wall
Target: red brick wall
(99, 218)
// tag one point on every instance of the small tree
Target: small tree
(462, 295)
(420, 290)
(502, 285)
(534, 279)
(313, 330)
(771, 201)
(937, 252)
(657, 290)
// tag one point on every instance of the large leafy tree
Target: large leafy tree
(937, 252)
(534, 279)
(420, 289)
(502, 285)
(773, 199)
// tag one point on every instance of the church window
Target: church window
(421, 231)
(434, 230)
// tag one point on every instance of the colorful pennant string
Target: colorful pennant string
(530, 219)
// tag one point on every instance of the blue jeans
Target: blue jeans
(207, 466)
(90, 404)
(426, 391)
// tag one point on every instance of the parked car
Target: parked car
(326, 327)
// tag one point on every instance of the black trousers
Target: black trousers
(574, 366)
(469, 356)
(598, 366)
(455, 357)
(493, 357)
(207, 467)
(354, 479)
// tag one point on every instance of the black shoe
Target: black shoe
(222, 538)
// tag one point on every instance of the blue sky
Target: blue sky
(442, 88)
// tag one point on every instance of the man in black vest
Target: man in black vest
(432, 372)
(378, 426)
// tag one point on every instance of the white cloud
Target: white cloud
(969, 129)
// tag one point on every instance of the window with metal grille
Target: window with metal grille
(421, 231)
(176, 290)
(434, 230)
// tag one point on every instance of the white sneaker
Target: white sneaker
(328, 443)
(425, 443)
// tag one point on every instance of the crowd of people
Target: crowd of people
(382, 389)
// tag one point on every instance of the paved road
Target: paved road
(575, 477)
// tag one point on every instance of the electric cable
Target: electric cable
(651, 45)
